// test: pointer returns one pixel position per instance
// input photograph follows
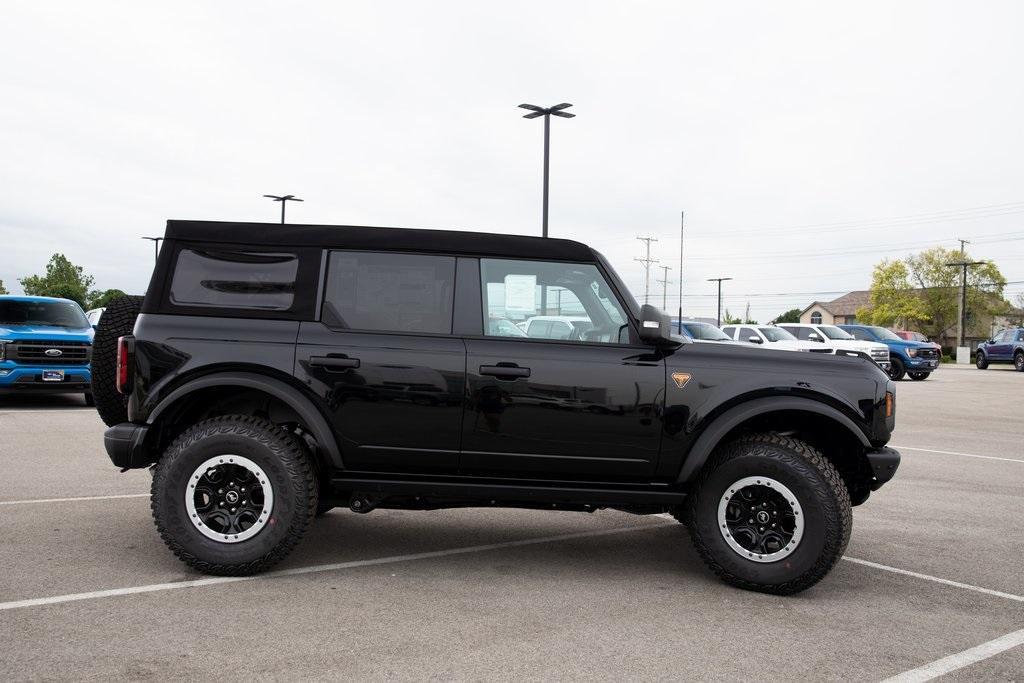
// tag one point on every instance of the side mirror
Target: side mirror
(813, 336)
(654, 325)
(754, 339)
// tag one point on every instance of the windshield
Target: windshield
(833, 332)
(705, 332)
(52, 313)
(774, 334)
(883, 333)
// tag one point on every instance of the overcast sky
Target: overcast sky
(805, 141)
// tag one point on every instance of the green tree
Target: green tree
(790, 316)
(100, 299)
(730, 319)
(62, 279)
(923, 291)
(3, 290)
(893, 299)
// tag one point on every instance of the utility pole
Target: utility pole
(647, 261)
(682, 222)
(547, 113)
(962, 313)
(664, 287)
(719, 280)
(156, 246)
(962, 243)
(284, 199)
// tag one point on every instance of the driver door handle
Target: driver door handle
(504, 371)
(334, 362)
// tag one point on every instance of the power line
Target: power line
(647, 261)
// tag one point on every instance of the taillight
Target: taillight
(122, 364)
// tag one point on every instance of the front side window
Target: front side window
(729, 331)
(746, 333)
(234, 279)
(833, 332)
(563, 301)
(816, 318)
(387, 292)
(861, 334)
(774, 334)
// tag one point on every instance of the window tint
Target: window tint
(232, 279)
(729, 331)
(569, 301)
(746, 333)
(389, 292)
(816, 318)
(860, 334)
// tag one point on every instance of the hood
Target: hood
(19, 332)
(910, 344)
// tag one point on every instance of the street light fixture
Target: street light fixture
(719, 280)
(547, 113)
(156, 246)
(284, 199)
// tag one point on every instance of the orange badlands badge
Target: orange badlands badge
(680, 378)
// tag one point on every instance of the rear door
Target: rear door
(383, 359)
(556, 407)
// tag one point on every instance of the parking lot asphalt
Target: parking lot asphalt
(932, 576)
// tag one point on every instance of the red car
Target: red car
(916, 336)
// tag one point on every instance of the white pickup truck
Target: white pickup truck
(839, 342)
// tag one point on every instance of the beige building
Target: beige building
(841, 311)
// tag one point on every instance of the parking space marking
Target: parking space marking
(966, 455)
(47, 410)
(951, 663)
(936, 579)
(314, 569)
(72, 500)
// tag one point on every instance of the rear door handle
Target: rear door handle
(504, 371)
(334, 362)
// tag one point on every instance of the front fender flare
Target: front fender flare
(737, 415)
(294, 398)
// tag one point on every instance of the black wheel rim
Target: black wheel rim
(760, 519)
(229, 498)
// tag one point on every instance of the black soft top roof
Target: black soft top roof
(391, 239)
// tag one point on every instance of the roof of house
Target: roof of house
(847, 304)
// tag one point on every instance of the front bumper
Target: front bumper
(922, 364)
(884, 463)
(29, 378)
(125, 444)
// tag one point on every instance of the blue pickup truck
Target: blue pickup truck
(1005, 347)
(906, 357)
(45, 346)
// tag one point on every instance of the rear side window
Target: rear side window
(386, 292)
(261, 281)
(729, 330)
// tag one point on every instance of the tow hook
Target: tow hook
(364, 502)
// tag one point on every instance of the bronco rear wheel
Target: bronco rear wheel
(233, 495)
(770, 513)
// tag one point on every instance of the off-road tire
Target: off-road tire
(1018, 361)
(323, 508)
(919, 376)
(980, 361)
(896, 369)
(117, 321)
(287, 464)
(819, 489)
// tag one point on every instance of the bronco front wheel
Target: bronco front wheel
(770, 513)
(233, 495)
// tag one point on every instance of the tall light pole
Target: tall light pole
(284, 199)
(719, 280)
(156, 246)
(547, 113)
(647, 261)
(664, 286)
(682, 222)
(962, 312)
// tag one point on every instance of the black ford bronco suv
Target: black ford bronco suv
(273, 372)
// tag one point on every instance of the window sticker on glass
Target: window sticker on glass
(521, 293)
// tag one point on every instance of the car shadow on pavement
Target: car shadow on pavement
(41, 401)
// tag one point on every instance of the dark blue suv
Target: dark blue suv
(1005, 347)
(906, 357)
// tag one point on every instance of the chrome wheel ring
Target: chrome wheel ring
(760, 519)
(229, 498)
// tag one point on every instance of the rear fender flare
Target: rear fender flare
(737, 415)
(294, 398)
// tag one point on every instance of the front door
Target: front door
(384, 361)
(587, 405)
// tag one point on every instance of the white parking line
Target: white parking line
(71, 500)
(315, 569)
(961, 659)
(966, 455)
(936, 579)
(48, 410)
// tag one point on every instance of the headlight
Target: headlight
(912, 353)
(3, 348)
